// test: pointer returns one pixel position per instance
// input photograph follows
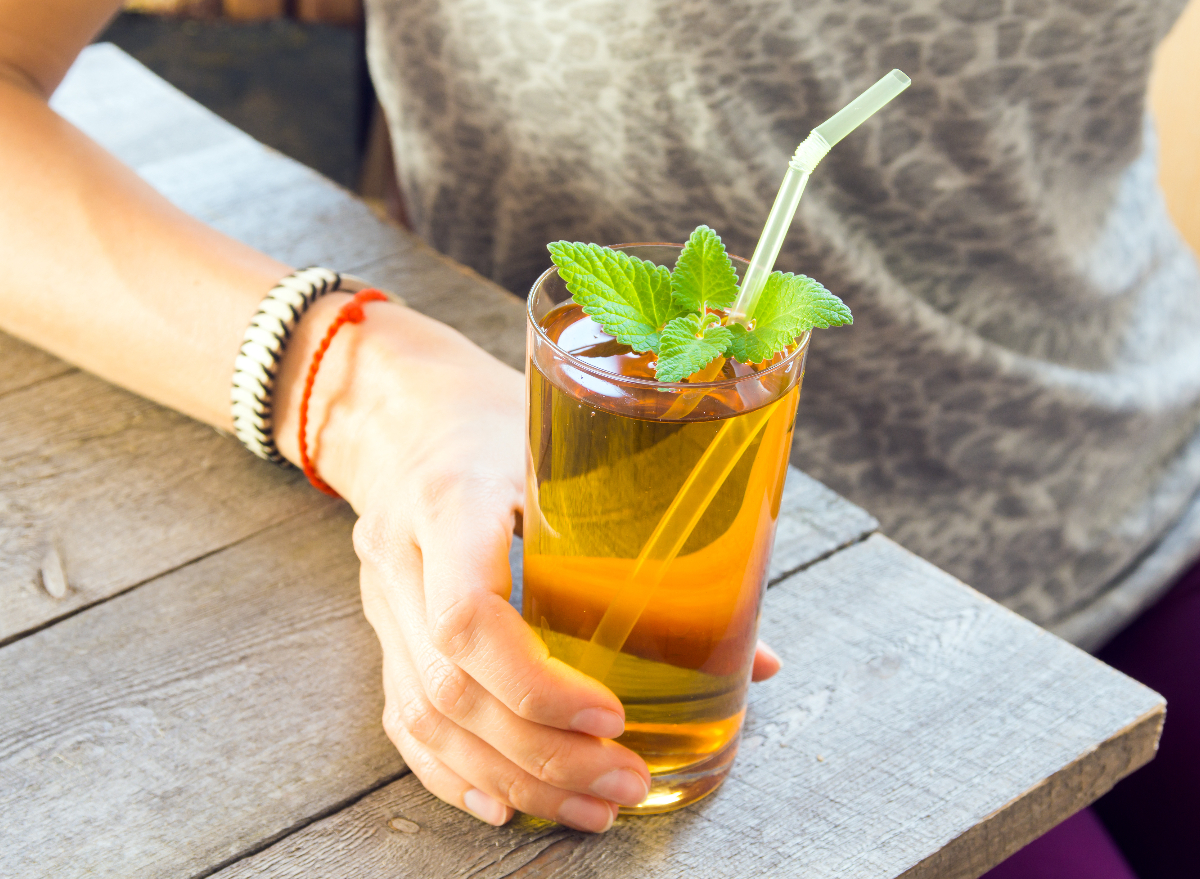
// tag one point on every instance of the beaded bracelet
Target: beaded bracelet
(262, 350)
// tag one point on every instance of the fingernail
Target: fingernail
(766, 648)
(484, 807)
(622, 786)
(585, 813)
(599, 722)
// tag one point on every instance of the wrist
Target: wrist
(395, 394)
(324, 414)
(347, 389)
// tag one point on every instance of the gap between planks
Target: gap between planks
(104, 599)
(776, 579)
(333, 809)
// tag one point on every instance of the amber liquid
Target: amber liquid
(599, 483)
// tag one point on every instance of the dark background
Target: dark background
(299, 87)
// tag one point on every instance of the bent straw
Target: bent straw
(819, 141)
(669, 536)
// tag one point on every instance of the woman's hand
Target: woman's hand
(423, 434)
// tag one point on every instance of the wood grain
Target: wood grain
(22, 365)
(813, 522)
(123, 489)
(132, 113)
(917, 729)
(220, 175)
(152, 696)
(188, 721)
(289, 211)
(1067, 791)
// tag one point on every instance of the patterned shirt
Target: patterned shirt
(1018, 399)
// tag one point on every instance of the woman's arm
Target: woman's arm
(93, 254)
(418, 428)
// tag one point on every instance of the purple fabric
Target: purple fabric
(1152, 817)
(1079, 848)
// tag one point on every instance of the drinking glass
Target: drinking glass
(649, 520)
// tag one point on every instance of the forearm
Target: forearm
(101, 270)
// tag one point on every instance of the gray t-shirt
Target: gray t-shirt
(1018, 399)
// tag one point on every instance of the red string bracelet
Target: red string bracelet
(352, 312)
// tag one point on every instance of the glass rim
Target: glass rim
(579, 363)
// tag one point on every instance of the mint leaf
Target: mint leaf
(789, 306)
(629, 297)
(690, 343)
(704, 275)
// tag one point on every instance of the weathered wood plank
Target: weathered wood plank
(403, 832)
(1067, 791)
(933, 709)
(22, 365)
(65, 683)
(176, 726)
(122, 490)
(917, 729)
(220, 175)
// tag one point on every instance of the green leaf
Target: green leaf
(789, 306)
(629, 297)
(704, 275)
(690, 343)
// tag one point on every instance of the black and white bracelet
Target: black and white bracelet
(262, 351)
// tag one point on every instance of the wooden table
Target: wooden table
(203, 699)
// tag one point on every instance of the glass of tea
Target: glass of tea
(649, 519)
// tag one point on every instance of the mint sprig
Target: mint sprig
(677, 314)
(690, 343)
(789, 306)
(629, 297)
(704, 275)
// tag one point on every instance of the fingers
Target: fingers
(465, 771)
(766, 663)
(437, 778)
(449, 788)
(466, 576)
(468, 740)
(475, 703)
(568, 760)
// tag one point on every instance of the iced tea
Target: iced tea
(657, 503)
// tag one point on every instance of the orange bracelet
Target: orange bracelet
(352, 312)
